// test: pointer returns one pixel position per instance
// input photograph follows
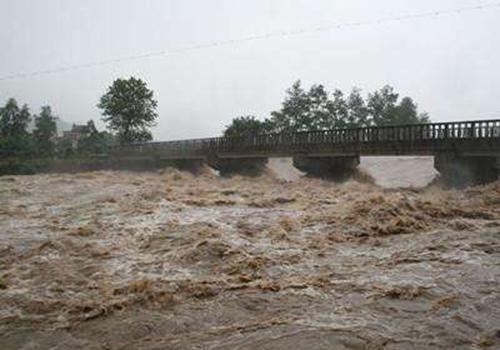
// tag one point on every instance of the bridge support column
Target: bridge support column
(242, 166)
(333, 167)
(462, 171)
(497, 168)
(192, 165)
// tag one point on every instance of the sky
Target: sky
(448, 64)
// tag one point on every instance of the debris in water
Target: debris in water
(170, 260)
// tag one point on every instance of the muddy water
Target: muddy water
(387, 172)
(117, 260)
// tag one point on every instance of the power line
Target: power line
(270, 35)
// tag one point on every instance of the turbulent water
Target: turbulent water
(167, 260)
(388, 172)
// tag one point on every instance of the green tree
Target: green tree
(358, 112)
(382, 105)
(406, 112)
(319, 113)
(14, 137)
(93, 141)
(316, 109)
(64, 148)
(385, 109)
(128, 107)
(245, 126)
(338, 111)
(8, 114)
(14, 120)
(304, 110)
(45, 131)
(294, 113)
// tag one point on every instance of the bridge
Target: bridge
(466, 152)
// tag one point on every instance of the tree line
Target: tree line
(17, 140)
(128, 109)
(318, 109)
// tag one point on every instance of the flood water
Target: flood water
(167, 260)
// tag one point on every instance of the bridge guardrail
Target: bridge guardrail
(421, 136)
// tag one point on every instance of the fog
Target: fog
(448, 64)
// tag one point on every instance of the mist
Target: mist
(448, 64)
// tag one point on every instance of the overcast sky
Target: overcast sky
(450, 65)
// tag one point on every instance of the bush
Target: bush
(22, 167)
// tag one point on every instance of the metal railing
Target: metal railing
(415, 137)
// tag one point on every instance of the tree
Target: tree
(14, 121)
(14, 137)
(339, 111)
(385, 109)
(245, 126)
(8, 114)
(382, 105)
(90, 128)
(316, 109)
(129, 109)
(294, 113)
(93, 141)
(64, 148)
(45, 131)
(406, 112)
(304, 110)
(358, 113)
(318, 116)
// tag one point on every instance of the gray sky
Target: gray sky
(449, 65)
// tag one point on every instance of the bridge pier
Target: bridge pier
(333, 167)
(497, 167)
(462, 171)
(243, 166)
(192, 165)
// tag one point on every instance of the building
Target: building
(75, 134)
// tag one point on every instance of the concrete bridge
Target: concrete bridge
(465, 152)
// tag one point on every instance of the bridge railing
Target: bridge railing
(414, 135)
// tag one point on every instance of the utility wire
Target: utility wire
(270, 35)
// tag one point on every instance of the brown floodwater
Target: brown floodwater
(167, 260)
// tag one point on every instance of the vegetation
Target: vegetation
(129, 109)
(248, 125)
(90, 142)
(317, 109)
(45, 132)
(14, 137)
(93, 141)
(22, 152)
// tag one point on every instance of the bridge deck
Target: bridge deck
(481, 138)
